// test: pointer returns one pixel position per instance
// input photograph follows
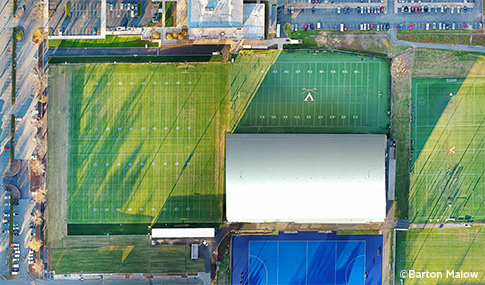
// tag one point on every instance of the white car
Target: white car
(121, 6)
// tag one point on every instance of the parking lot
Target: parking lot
(125, 13)
(353, 14)
(21, 219)
(85, 16)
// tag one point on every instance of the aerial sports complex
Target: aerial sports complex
(276, 137)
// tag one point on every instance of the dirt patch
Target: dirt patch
(60, 80)
(401, 127)
(174, 12)
(378, 43)
(442, 63)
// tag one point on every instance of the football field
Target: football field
(321, 92)
(448, 151)
(146, 143)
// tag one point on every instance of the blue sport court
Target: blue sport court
(306, 258)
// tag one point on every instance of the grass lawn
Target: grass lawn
(110, 41)
(439, 250)
(145, 142)
(125, 259)
(442, 63)
(168, 14)
(447, 178)
(345, 96)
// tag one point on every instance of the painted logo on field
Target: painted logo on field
(309, 93)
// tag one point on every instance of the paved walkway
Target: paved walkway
(395, 41)
(444, 225)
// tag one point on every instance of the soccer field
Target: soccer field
(440, 251)
(448, 151)
(146, 143)
(321, 92)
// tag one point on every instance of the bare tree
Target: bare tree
(37, 218)
(38, 266)
(38, 12)
(40, 79)
(41, 147)
(39, 195)
(35, 244)
(37, 167)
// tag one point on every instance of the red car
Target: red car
(371, 26)
(345, 27)
(464, 26)
(412, 9)
(305, 27)
(6, 148)
(411, 27)
(382, 9)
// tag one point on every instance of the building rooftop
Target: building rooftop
(215, 14)
(305, 178)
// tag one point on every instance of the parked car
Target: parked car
(410, 27)
(111, 7)
(464, 26)
(305, 27)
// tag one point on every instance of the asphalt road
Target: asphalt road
(183, 50)
(329, 16)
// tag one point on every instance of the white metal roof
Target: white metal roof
(183, 233)
(305, 178)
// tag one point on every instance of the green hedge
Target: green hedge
(14, 66)
(14, 8)
(12, 139)
(168, 14)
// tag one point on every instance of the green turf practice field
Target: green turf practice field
(448, 151)
(321, 92)
(442, 253)
(146, 143)
(121, 259)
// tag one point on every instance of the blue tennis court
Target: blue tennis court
(308, 258)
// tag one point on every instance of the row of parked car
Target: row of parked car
(378, 27)
(439, 26)
(370, 10)
(429, 9)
